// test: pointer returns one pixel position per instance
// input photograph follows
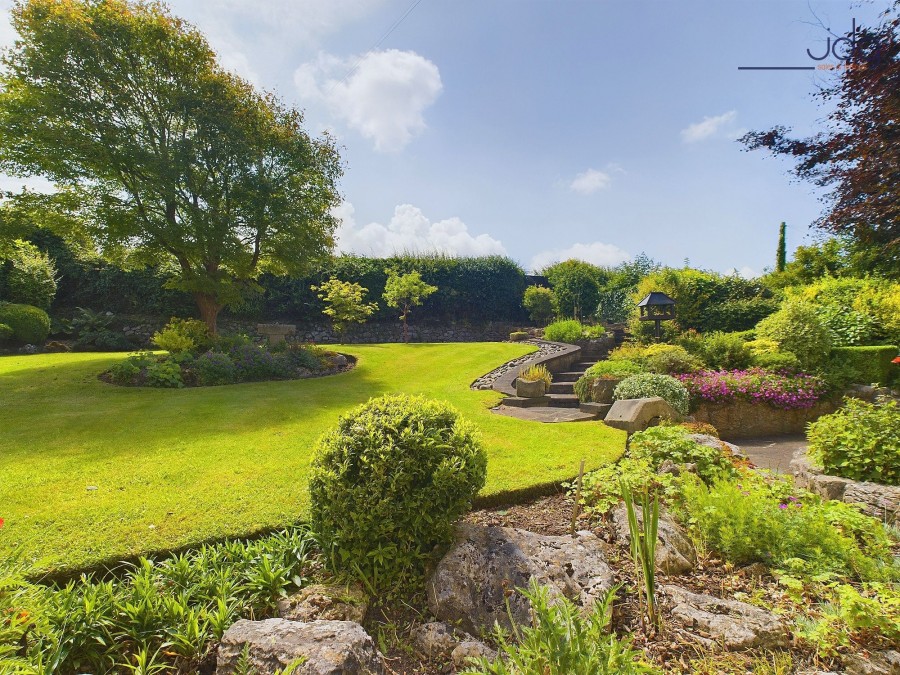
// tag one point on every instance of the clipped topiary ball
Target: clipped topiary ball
(30, 325)
(388, 484)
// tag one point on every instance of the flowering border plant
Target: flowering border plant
(779, 390)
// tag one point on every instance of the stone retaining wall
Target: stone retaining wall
(742, 419)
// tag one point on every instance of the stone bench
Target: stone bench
(275, 332)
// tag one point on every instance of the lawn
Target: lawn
(90, 472)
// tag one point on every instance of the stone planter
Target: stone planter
(526, 389)
(602, 390)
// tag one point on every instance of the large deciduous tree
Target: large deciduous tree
(171, 157)
(858, 157)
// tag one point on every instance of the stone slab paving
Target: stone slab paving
(772, 452)
(545, 414)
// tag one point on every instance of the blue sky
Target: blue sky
(547, 129)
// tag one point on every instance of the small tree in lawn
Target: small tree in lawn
(346, 305)
(405, 292)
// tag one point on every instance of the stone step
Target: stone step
(583, 365)
(563, 401)
(598, 410)
(562, 388)
(521, 402)
(568, 376)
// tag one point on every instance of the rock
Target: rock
(879, 501)
(668, 466)
(736, 625)
(328, 647)
(340, 361)
(675, 553)
(529, 389)
(472, 583)
(321, 601)
(862, 391)
(471, 649)
(603, 388)
(718, 444)
(878, 663)
(636, 414)
(436, 639)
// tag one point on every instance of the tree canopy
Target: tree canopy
(166, 156)
(858, 157)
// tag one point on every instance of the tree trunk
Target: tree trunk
(405, 327)
(209, 310)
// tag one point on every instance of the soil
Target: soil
(670, 648)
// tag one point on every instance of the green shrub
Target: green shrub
(165, 373)
(30, 325)
(848, 327)
(561, 641)
(777, 362)
(658, 444)
(126, 371)
(214, 368)
(183, 335)
(518, 336)
(388, 483)
(305, 356)
(865, 365)
(669, 360)
(535, 373)
(617, 369)
(6, 333)
(540, 303)
(726, 351)
(754, 521)
(601, 490)
(797, 328)
(647, 385)
(860, 441)
(31, 279)
(568, 330)
(93, 331)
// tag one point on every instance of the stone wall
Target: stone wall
(742, 419)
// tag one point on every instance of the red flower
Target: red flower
(896, 359)
(1, 522)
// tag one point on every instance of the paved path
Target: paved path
(544, 414)
(772, 452)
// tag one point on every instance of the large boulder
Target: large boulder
(323, 647)
(475, 581)
(675, 554)
(877, 663)
(733, 624)
(636, 414)
(325, 601)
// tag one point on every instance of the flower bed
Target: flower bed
(788, 392)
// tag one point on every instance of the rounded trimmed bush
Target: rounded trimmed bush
(6, 333)
(30, 325)
(647, 385)
(388, 483)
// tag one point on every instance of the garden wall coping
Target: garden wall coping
(556, 362)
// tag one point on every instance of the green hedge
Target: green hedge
(864, 365)
(469, 289)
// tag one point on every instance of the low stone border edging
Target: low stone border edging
(743, 419)
(877, 500)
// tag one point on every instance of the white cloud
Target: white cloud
(382, 95)
(410, 230)
(597, 253)
(709, 127)
(590, 181)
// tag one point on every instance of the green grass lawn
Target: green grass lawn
(90, 472)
